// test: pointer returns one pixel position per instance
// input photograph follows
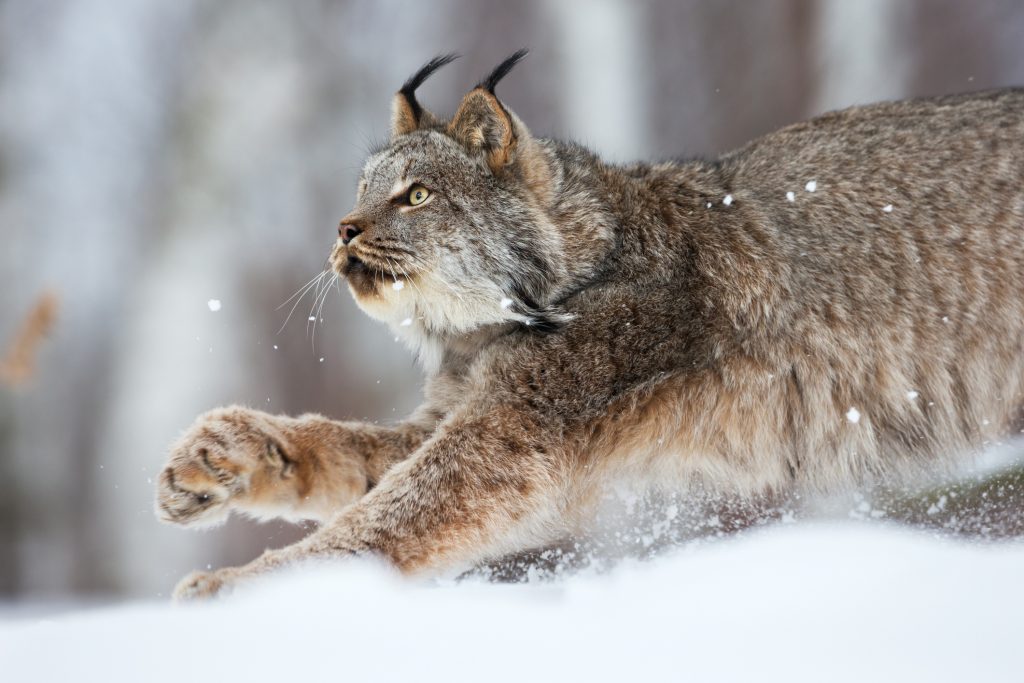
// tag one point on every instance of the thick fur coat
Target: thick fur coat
(836, 303)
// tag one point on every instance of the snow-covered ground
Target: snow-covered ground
(800, 602)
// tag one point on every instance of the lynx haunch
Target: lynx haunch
(837, 302)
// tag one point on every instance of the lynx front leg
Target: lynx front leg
(476, 490)
(268, 466)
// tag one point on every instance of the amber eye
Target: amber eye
(417, 195)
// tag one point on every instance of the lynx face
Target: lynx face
(449, 231)
(450, 261)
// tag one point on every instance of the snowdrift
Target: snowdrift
(811, 602)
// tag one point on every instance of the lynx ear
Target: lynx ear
(406, 113)
(484, 126)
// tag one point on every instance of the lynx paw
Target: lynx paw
(201, 586)
(227, 457)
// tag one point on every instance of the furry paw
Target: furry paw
(200, 586)
(229, 457)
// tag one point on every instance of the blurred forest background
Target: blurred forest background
(156, 155)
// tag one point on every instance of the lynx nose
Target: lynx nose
(348, 232)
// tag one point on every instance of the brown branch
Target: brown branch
(18, 364)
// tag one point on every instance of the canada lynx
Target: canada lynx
(837, 302)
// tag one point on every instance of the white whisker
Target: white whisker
(319, 310)
(410, 280)
(302, 289)
(421, 264)
(301, 294)
(311, 318)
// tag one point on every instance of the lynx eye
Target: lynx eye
(417, 195)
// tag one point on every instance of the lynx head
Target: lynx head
(450, 231)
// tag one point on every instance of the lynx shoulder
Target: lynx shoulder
(834, 303)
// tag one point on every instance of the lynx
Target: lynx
(838, 302)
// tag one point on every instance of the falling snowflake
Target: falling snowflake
(791, 196)
(853, 415)
(397, 285)
(214, 305)
(811, 185)
(728, 200)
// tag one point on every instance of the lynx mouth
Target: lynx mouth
(353, 264)
(362, 277)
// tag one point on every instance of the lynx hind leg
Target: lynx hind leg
(230, 458)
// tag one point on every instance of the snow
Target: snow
(853, 415)
(887, 208)
(728, 200)
(406, 323)
(506, 302)
(912, 395)
(791, 196)
(798, 602)
(213, 305)
(811, 185)
(397, 285)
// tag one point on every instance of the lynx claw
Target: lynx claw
(200, 586)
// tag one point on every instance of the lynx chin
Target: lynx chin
(835, 304)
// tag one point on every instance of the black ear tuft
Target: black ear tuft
(501, 71)
(408, 89)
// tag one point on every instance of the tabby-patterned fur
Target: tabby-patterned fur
(835, 303)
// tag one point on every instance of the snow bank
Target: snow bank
(807, 602)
